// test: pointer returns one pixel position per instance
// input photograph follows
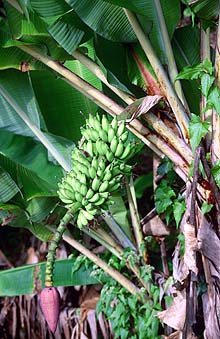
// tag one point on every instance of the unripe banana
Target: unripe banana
(92, 172)
(65, 194)
(66, 184)
(112, 182)
(126, 152)
(89, 193)
(77, 186)
(89, 216)
(111, 134)
(116, 170)
(83, 190)
(94, 134)
(95, 163)
(91, 121)
(83, 168)
(104, 186)
(124, 136)
(78, 196)
(81, 220)
(104, 195)
(119, 149)
(84, 202)
(64, 199)
(107, 176)
(100, 173)
(103, 135)
(98, 145)
(70, 180)
(89, 148)
(99, 202)
(114, 187)
(97, 124)
(105, 148)
(114, 123)
(114, 144)
(81, 177)
(94, 198)
(105, 123)
(95, 184)
(109, 156)
(102, 163)
(86, 133)
(91, 210)
(121, 128)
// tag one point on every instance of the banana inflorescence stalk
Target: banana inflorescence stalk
(98, 165)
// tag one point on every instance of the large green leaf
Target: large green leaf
(31, 155)
(39, 208)
(149, 18)
(61, 105)
(18, 85)
(187, 52)
(105, 19)
(69, 31)
(49, 8)
(8, 187)
(22, 280)
(120, 214)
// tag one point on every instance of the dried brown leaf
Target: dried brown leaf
(175, 315)
(191, 247)
(155, 227)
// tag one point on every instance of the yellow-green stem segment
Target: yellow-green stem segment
(53, 246)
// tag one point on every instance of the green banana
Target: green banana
(119, 149)
(105, 123)
(126, 152)
(89, 193)
(95, 163)
(81, 177)
(104, 186)
(100, 201)
(94, 198)
(114, 187)
(83, 190)
(82, 219)
(124, 136)
(91, 121)
(89, 148)
(103, 135)
(97, 124)
(96, 183)
(108, 175)
(114, 144)
(86, 134)
(94, 134)
(92, 172)
(110, 156)
(84, 202)
(75, 207)
(121, 128)
(111, 134)
(114, 123)
(89, 216)
(78, 196)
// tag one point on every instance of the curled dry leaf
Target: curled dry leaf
(50, 305)
(155, 227)
(175, 315)
(191, 247)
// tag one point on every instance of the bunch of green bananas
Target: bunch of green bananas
(97, 168)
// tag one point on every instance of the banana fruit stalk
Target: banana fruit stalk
(97, 168)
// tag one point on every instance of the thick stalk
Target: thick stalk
(121, 279)
(117, 231)
(215, 117)
(53, 246)
(172, 69)
(39, 134)
(205, 54)
(143, 133)
(136, 223)
(175, 103)
(95, 69)
(170, 137)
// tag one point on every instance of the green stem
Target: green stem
(40, 135)
(118, 232)
(53, 246)
(121, 279)
(172, 69)
(95, 69)
(176, 105)
(135, 221)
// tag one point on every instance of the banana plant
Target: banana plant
(84, 84)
